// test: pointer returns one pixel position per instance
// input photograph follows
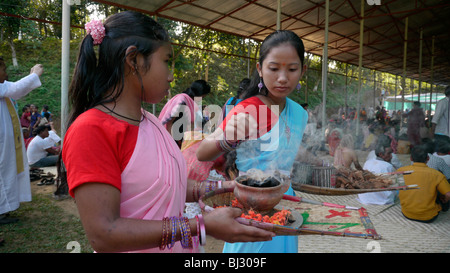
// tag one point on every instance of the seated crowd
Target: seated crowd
(40, 137)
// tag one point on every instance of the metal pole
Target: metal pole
(65, 65)
(248, 59)
(361, 43)
(396, 89)
(374, 87)
(346, 83)
(325, 67)
(279, 15)
(432, 73)
(420, 63)
(405, 49)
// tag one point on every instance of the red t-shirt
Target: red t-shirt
(257, 109)
(97, 148)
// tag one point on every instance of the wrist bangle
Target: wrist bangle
(202, 232)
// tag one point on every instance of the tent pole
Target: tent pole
(361, 43)
(432, 73)
(325, 67)
(65, 65)
(420, 63)
(396, 89)
(405, 50)
(279, 15)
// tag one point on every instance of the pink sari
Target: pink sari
(154, 181)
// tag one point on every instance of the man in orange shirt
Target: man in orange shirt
(425, 203)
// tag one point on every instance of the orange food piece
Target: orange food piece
(279, 218)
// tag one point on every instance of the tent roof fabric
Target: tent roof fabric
(384, 27)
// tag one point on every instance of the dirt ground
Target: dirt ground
(212, 245)
(68, 205)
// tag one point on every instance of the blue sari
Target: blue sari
(276, 150)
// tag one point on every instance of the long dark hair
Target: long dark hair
(274, 39)
(101, 80)
(242, 87)
(198, 89)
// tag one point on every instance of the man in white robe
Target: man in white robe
(14, 170)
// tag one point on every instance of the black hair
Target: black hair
(419, 154)
(442, 146)
(101, 80)
(447, 91)
(41, 128)
(242, 86)
(429, 146)
(382, 142)
(198, 89)
(274, 39)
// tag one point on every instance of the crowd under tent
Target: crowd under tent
(408, 39)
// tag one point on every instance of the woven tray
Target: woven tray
(317, 218)
(338, 191)
(397, 184)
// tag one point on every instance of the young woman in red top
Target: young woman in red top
(124, 170)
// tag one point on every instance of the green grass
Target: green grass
(43, 227)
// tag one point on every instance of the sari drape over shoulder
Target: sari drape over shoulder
(153, 182)
(275, 150)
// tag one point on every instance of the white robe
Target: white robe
(14, 187)
(378, 198)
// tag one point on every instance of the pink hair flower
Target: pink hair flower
(96, 29)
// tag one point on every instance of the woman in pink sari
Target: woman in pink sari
(125, 171)
(182, 114)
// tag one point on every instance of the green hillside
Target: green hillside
(47, 53)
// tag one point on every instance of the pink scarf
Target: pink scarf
(155, 179)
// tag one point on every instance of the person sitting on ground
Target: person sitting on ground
(345, 154)
(27, 138)
(443, 151)
(40, 151)
(387, 140)
(46, 113)
(371, 138)
(436, 162)
(433, 193)
(379, 165)
(35, 118)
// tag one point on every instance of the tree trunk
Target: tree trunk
(13, 53)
